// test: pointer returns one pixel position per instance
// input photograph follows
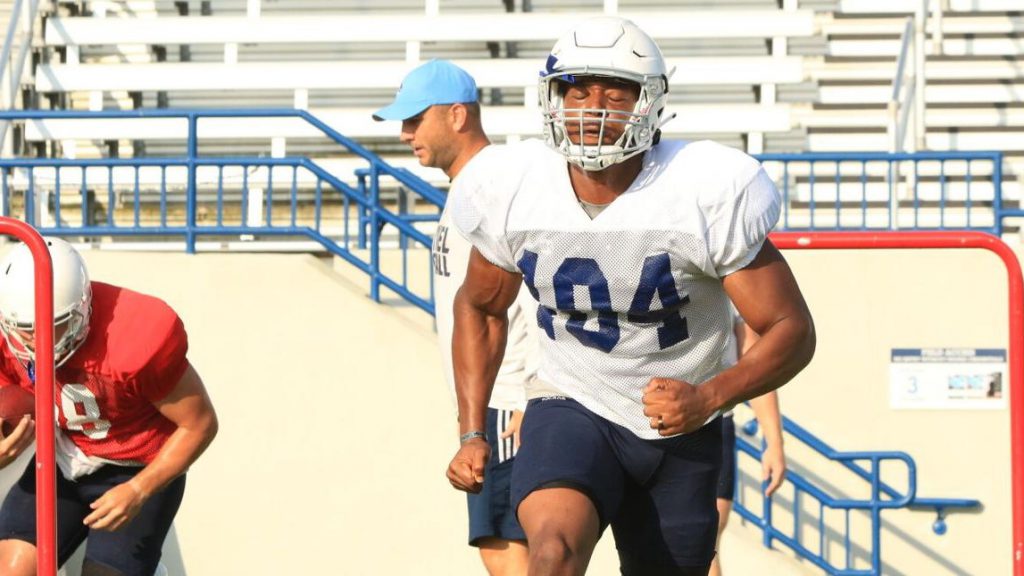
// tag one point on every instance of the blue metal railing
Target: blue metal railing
(860, 191)
(882, 497)
(198, 195)
(888, 191)
(360, 203)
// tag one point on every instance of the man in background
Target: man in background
(437, 105)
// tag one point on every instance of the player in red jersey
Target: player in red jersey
(132, 415)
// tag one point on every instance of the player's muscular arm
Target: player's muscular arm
(478, 345)
(767, 297)
(189, 407)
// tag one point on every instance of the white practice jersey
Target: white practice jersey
(636, 292)
(450, 256)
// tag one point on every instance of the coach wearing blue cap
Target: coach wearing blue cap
(437, 104)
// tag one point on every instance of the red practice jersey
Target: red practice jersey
(134, 356)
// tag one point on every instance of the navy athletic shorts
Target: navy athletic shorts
(727, 477)
(490, 512)
(134, 549)
(657, 495)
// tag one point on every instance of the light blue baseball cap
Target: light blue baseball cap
(435, 82)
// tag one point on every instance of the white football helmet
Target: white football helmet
(72, 300)
(609, 47)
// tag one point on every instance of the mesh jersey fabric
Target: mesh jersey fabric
(134, 356)
(636, 292)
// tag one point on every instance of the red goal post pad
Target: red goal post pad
(946, 240)
(46, 479)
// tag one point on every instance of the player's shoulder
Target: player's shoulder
(707, 159)
(131, 327)
(712, 171)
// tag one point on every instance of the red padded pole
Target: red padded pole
(949, 239)
(46, 478)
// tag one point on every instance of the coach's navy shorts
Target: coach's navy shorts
(727, 476)
(490, 512)
(134, 549)
(657, 495)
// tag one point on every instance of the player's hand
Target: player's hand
(773, 468)
(116, 507)
(466, 470)
(17, 441)
(512, 430)
(674, 406)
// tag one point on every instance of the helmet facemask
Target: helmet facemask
(72, 300)
(639, 125)
(605, 48)
(70, 331)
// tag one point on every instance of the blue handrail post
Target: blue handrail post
(30, 199)
(190, 197)
(362, 211)
(5, 196)
(997, 192)
(403, 199)
(375, 231)
(876, 516)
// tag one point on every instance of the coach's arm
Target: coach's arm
(480, 311)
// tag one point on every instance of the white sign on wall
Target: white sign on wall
(947, 378)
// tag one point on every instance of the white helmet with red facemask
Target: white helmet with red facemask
(613, 48)
(72, 300)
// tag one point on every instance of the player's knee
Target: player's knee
(17, 558)
(552, 553)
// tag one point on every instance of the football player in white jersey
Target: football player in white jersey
(440, 116)
(634, 250)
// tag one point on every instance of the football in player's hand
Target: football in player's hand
(15, 402)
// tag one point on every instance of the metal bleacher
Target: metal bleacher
(233, 60)
(770, 77)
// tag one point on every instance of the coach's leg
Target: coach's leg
(562, 527)
(493, 527)
(726, 487)
(503, 557)
(724, 509)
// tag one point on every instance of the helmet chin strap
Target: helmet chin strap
(608, 156)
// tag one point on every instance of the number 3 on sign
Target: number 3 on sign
(82, 412)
